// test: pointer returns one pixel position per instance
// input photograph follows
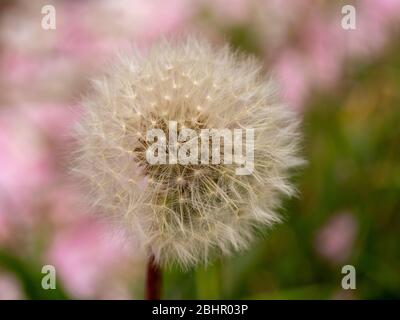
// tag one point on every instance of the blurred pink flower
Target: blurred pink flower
(86, 257)
(27, 160)
(53, 121)
(10, 288)
(318, 60)
(75, 38)
(314, 60)
(336, 238)
(18, 67)
(292, 76)
(128, 22)
(157, 17)
(375, 19)
(32, 139)
(23, 158)
(323, 51)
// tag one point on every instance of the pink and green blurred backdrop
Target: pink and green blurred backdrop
(343, 83)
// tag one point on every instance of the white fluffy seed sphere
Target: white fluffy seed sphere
(185, 214)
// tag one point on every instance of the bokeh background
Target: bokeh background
(345, 84)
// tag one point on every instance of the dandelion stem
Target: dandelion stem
(154, 280)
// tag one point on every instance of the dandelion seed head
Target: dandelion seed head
(185, 214)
